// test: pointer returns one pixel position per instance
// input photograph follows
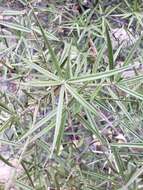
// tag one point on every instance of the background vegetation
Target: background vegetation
(71, 96)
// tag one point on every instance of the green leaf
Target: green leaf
(110, 53)
(127, 145)
(53, 55)
(101, 75)
(15, 26)
(121, 105)
(8, 50)
(39, 83)
(39, 124)
(131, 130)
(44, 145)
(43, 71)
(119, 162)
(23, 186)
(5, 108)
(43, 132)
(131, 53)
(11, 143)
(131, 92)
(5, 161)
(13, 12)
(6, 124)
(134, 177)
(96, 175)
(48, 35)
(61, 132)
(90, 125)
(117, 52)
(59, 116)
(99, 57)
(131, 80)
(81, 100)
(27, 173)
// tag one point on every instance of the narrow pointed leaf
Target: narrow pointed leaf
(53, 55)
(38, 83)
(15, 26)
(121, 105)
(5, 108)
(131, 92)
(131, 53)
(132, 79)
(39, 124)
(5, 161)
(48, 35)
(110, 53)
(6, 124)
(23, 186)
(44, 71)
(81, 100)
(134, 177)
(58, 119)
(97, 76)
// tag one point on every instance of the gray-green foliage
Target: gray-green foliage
(71, 102)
